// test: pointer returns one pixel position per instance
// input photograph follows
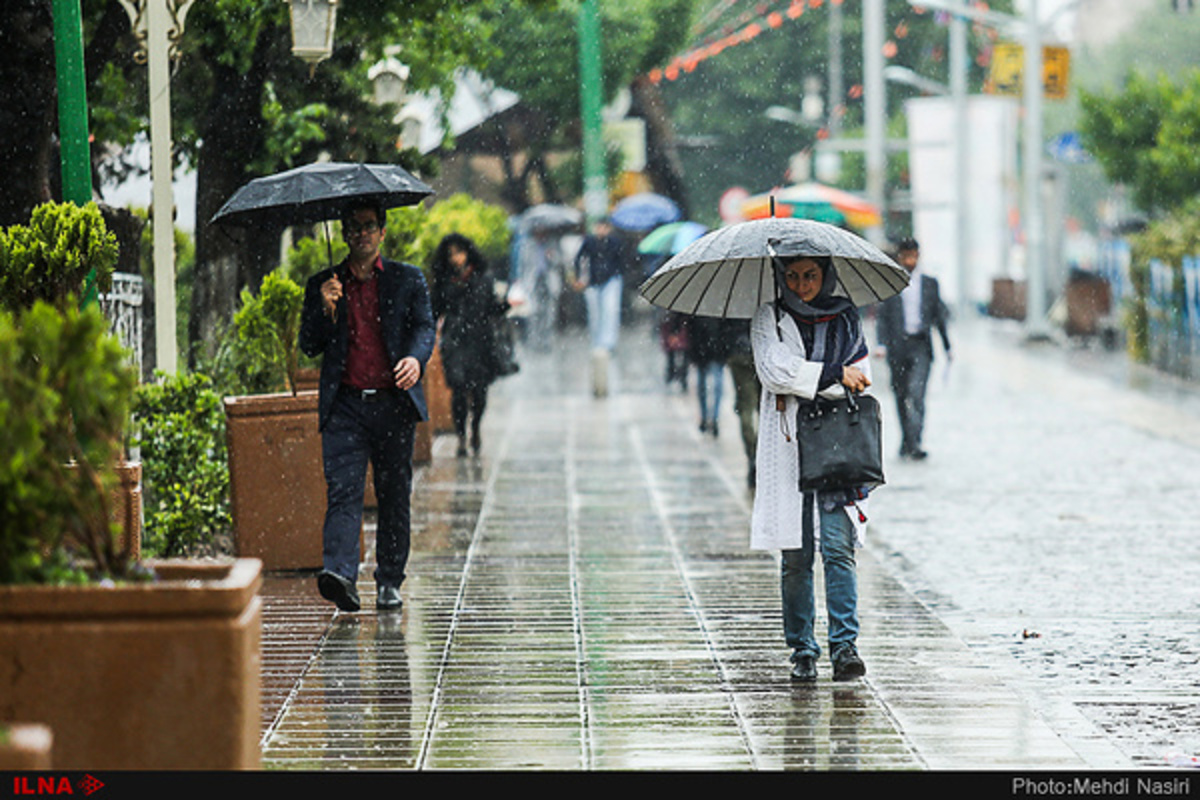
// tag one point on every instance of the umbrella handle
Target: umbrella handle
(778, 292)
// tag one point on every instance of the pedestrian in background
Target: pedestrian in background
(808, 343)
(599, 267)
(708, 348)
(746, 389)
(465, 303)
(904, 328)
(370, 321)
(540, 283)
(673, 336)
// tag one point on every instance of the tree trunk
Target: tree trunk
(234, 129)
(28, 114)
(662, 157)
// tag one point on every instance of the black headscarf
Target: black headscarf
(829, 325)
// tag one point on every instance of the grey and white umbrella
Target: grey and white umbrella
(729, 272)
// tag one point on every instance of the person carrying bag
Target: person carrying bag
(812, 360)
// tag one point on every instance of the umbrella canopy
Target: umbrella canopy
(729, 272)
(644, 212)
(318, 192)
(669, 239)
(814, 201)
(548, 217)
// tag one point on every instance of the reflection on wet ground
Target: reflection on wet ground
(581, 597)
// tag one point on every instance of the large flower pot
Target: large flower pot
(141, 676)
(276, 479)
(437, 395)
(127, 506)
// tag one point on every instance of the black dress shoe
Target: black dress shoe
(388, 598)
(804, 669)
(846, 664)
(338, 590)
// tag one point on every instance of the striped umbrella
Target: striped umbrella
(729, 272)
(814, 201)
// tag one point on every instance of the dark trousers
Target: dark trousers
(468, 402)
(909, 365)
(379, 429)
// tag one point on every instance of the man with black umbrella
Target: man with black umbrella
(370, 319)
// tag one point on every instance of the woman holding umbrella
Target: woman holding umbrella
(464, 299)
(810, 342)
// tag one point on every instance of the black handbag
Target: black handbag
(841, 443)
(503, 353)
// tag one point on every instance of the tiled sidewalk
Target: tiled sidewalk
(581, 597)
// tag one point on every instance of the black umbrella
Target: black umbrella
(318, 192)
(729, 272)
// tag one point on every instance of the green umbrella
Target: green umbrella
(669, 239)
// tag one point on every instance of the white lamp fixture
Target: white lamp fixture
(313, 22)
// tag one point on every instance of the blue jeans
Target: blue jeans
(604, 312)
(841, 587)
(710, 378)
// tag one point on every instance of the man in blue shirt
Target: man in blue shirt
(598, 272)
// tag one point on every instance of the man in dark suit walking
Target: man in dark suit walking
(905, 325)
(370, 320)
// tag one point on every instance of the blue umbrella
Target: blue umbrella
(644, 212)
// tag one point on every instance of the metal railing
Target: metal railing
(122, 304)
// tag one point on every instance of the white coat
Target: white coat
(783, 370)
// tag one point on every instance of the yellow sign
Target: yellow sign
(1008, 68)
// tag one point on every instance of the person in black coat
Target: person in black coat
(464, 299)
(369, 319)
(709, 342)
(904, 327)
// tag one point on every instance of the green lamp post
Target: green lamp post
(75, 151)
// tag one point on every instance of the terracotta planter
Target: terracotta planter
(127, 506)
(158, 675)
(308, 379)
(437, 395)
(276, 479)
(25, 746)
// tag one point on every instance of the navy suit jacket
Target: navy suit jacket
(889, 324)
(408, 328)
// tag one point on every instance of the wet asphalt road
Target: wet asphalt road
(581, 595)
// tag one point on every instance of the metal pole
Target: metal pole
(158, 24)
(74, 151)
(1035, 255)
(958, 91)
(591, 93)
(875, 111)
(72, 103)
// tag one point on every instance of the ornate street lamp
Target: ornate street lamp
(313, 22)
(158, 26)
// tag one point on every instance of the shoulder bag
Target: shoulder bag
(841, 443)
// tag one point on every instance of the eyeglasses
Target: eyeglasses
(355, 228)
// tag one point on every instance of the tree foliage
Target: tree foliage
(65, 394)
(719, 106)
(540, 44)
(179, 426)
(50, 258)
(1146, 135)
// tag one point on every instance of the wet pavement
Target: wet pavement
(581, 595)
